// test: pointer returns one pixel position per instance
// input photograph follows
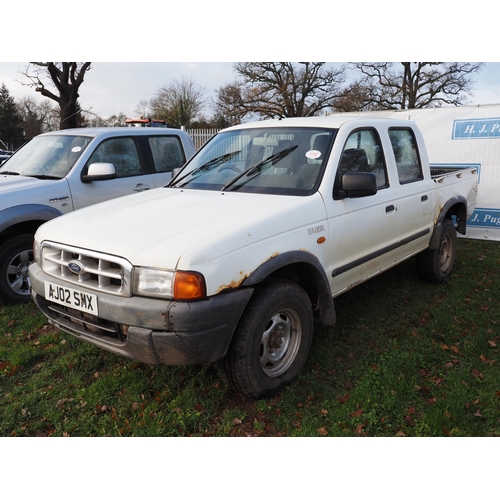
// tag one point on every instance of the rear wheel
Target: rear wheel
(436, 265)
(272, 341)
(16, 255)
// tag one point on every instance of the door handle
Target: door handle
(390, 208)
(141, 187)
(424, 198)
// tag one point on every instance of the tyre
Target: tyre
(436, 265)
(272, 340)
(16, 254)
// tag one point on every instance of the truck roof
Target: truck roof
(115, 131)
(331, 121)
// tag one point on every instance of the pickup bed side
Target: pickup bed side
(454, 205)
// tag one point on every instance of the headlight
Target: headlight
(37, 252)
(153, 282)
(160, 283)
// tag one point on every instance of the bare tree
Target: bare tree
(279, 90)
(355, 97)
(11, 123)
(408, 85)
(178, 103)
(66, 77)
(229, 104)
(38, 117)
(94, 120)
(142, 109)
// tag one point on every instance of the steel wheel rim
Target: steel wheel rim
(446, 252)
(18, 273)
(280, 342)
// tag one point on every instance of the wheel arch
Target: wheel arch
(24, 219)
(457, 207)
(305, 269)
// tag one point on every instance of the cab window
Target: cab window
(363, 153)
(122, 153)
(404, 147)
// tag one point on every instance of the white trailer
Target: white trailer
(462, 137)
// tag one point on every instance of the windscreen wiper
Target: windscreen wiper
(258, 168)
(209, 165)
(9, 173)
(44, 176)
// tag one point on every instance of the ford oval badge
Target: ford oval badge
(75, 267)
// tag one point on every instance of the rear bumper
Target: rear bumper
(150, 330)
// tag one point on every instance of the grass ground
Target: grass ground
(406, 358)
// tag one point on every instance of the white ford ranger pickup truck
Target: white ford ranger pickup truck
(58, 172)
(250, 243)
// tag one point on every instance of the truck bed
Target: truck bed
(440, 172)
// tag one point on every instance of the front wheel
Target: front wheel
(272, 341)
(16, 255)
(436, 265)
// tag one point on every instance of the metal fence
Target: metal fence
(200, 135)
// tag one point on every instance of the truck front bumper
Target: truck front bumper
(150, 330)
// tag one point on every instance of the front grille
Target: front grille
(100, 272)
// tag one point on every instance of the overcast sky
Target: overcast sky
(158, 31)
(118, 87)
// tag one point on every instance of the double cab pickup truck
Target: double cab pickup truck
(58, 172)
(250, 243)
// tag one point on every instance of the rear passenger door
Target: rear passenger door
(167, 154)
(415, 202)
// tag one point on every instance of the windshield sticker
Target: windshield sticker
(313, 154)
(76, 149)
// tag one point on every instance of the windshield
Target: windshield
(277, 160)
(50, 156)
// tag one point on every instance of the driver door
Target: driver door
(363, 232)
(131, 176)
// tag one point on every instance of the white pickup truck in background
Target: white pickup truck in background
(251, 242)
(58, 172)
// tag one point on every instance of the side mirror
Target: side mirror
(99, 172)
(357, 185)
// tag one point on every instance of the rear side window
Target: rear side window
(167, 153)
(406, 155)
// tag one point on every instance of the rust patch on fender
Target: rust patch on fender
(436, 218)
(236, 284)
(233, 283)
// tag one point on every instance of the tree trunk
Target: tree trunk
(67, 78)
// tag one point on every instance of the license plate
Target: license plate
(76, 299)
